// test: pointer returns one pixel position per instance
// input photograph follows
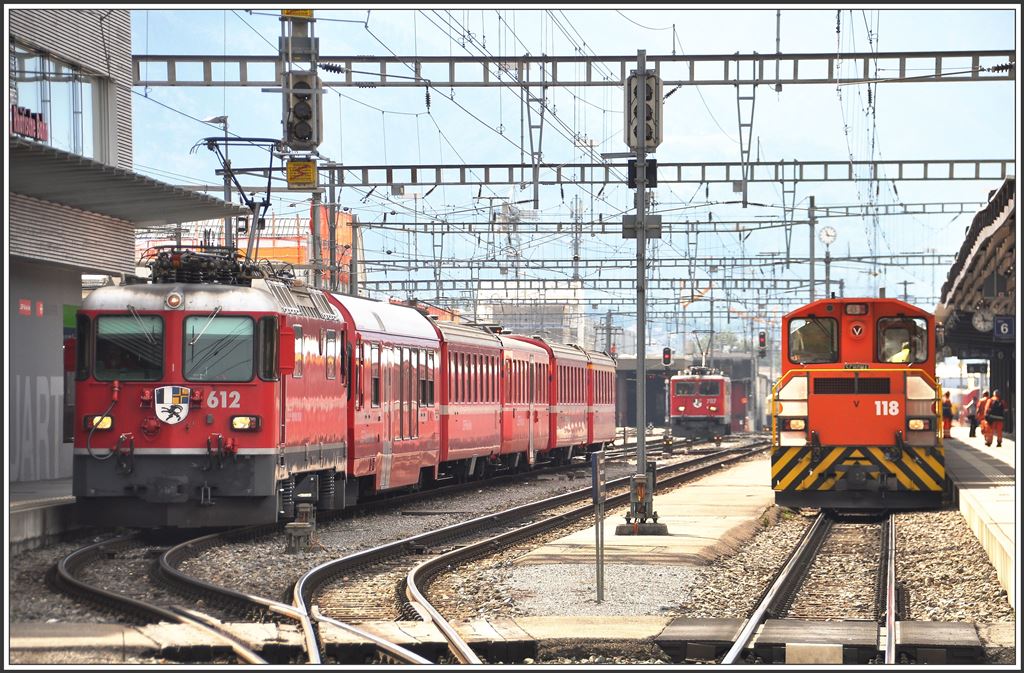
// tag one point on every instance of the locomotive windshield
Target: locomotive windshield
(129, 347)
(902, 340)
(686, 387)
(218, 348)
(709, 388)
(813, 340)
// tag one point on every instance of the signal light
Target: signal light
(303, 111)
(650, 109)
(762, 343)
(666, 356)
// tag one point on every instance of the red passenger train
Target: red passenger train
(700, 404)
(212, 393)
(855, 412)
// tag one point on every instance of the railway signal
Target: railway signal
(666, 356)
(762, 347)
(649, 111)
(303, 116)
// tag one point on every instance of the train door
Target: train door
(388, 388)
(531, 414)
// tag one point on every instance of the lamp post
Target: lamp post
(828, 236)
(229, 232)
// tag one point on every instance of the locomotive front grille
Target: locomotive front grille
(851, 386)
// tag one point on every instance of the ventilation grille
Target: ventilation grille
(851, 386)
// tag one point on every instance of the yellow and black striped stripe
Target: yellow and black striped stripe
(806, 468)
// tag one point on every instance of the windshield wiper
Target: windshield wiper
(138, 318)
(205, 327)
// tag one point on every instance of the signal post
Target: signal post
(643, 131)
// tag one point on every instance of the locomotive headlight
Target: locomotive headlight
(682, 408)
(99, 422)
(245, 423)
(174, 300)
(796, 424)
(919, 424)
(712, 408)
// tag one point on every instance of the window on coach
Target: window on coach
(902, 340)
(813, 340)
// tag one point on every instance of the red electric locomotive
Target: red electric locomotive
(212, 393)
(854, 413)
(700, 403)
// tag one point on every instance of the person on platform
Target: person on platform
(972, 416)
(994, 414)
(982, 407)
(947, 415)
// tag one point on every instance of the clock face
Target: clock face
(827, 235)
(982, 320)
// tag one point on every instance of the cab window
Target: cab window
(708, 388)
(686, 387)
(902, 340)
(813, 340)
(218, 349)
(129, 348)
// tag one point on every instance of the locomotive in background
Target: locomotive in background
(214, 391)
(700, 404)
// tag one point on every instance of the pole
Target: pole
(318, 262)
(641, 265)
(811, 222)
(608, 332)
(229, 229)
(332, 224)
(828, 276)
(353, 266)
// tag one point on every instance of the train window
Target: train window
(686, 388)
(902, 340)
(300, 353)
(430, 379)
(331, 339)
(266, 346)
(219, 348)
(709, 388)
(374, 375)
(813, 340)
(357, 378)
(83, 341)
(129, 348)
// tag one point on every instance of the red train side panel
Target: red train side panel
(525, 424)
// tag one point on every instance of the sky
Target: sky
(806, 122)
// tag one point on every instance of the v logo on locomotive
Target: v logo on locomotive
(172, 403)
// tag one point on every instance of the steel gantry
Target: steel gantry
(503, 71)
(905, 259)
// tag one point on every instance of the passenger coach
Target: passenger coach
(854, 413)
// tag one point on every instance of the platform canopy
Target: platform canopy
(67, 179)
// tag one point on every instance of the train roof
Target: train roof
(820, 308)
(452, 332)
(195, 296)
(509, 343)
(600, 358)
(560, 351)
(379, 316)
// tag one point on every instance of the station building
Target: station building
(73, 207)
(978, 306)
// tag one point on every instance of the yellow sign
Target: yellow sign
(301, 174)
(298, 13)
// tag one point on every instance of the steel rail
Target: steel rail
(66, 579)
(309, 584)
(167, 568)
(783, 584)
(423, 573)
(891, 608)
(399, 653)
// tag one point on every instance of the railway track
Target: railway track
(858, 557)
(461, 542)
(68, 576)
(223, 603)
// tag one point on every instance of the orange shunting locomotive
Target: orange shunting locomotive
(854, 413)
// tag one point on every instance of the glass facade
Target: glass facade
(66, 97)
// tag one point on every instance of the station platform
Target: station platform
(985, 483)
(707, 518)
(38, 512)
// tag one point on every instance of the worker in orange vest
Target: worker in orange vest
(982, 408)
